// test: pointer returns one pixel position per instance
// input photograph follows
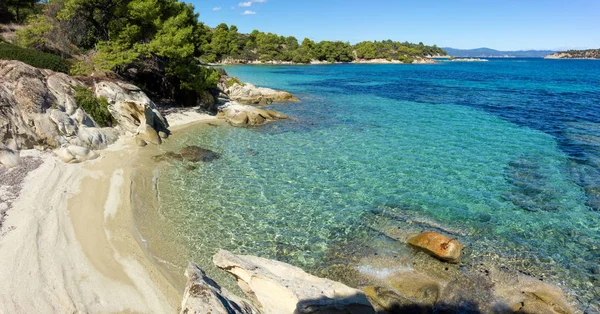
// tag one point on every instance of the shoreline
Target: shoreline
(70, 243)
(314, 62)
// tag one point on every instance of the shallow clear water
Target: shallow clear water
(505, 154)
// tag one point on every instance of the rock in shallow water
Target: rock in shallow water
(203, 296)
(438, 245)
(196, 153)
(189, 153)
(281, 288)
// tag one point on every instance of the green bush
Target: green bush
(33, 57)
(234, 80)
(97, 108)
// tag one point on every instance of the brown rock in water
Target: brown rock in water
(438, 245)
(196, 154)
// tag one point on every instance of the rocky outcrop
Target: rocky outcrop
(438, 245)
(280, 288)
(248, 94)
(246, 115)
(38, 109)
(203, 296)
(134, 112)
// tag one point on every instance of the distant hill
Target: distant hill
(491, 53)
(576, 54)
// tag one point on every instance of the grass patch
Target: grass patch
(97, 108)
(34, 58)
(234, 80)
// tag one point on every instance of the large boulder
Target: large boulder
(280, 288)
(131, 108)
(245, 115)
(248, 94)
(438, 245)
(204, 296)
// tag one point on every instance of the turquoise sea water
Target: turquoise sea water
(503, 154)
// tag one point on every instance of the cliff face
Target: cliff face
(576, 54)
(38, 109)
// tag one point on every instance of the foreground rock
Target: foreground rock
(280, 288)
(245, 115)
(248, 94)
(438, 245)
(204, 296)
(38, 109)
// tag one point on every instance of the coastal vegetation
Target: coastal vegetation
(97, 108)
(33, 57)
(161, 46)
(226, 43)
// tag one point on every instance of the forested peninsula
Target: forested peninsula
(576, 54)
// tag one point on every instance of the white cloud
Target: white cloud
(247, 12)
(217, 9)
(245, 4)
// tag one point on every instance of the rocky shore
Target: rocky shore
(275, 287)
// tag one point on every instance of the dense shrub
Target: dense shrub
(97, 108)
(33, 57)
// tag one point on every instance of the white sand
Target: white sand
(187, 116)
(69, 243)
(64, 255)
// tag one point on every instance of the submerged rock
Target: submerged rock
(189, 153)
(280, 288)
(168, 156)
(203, 296)
(438, 245)
(196, 154)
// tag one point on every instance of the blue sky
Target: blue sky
(504, 25)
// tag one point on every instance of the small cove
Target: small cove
(503, 154)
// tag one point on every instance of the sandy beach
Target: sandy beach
(69, 242)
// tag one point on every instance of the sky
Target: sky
(466, 24)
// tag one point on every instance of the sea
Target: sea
(502, 155)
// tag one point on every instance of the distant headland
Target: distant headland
(576, 54)
(492, 53)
